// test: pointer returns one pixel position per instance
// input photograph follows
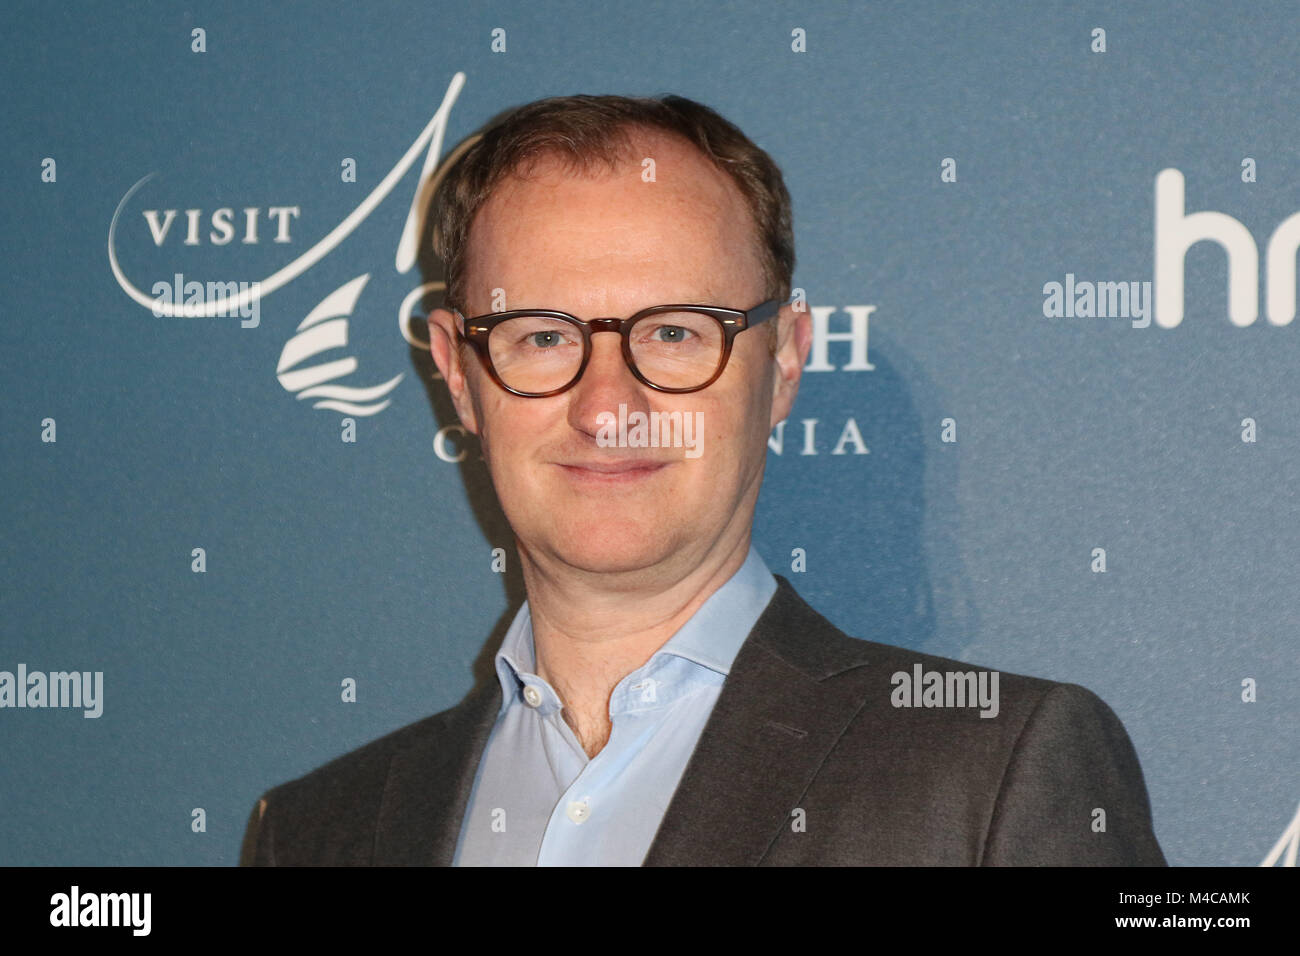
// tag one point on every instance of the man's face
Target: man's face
(610, 246)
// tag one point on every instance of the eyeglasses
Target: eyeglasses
(536, 353)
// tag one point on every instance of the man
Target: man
(661, 697)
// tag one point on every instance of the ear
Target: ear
(443, 346)
(793, 342)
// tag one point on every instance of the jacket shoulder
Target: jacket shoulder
(1020, 770)
(337, 804)
(802, 638)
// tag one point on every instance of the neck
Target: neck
(589, 636)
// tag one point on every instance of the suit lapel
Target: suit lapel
(778, 716)
(429, 784)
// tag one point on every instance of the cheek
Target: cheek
(752, 408)
(511, 433)
(727, 432)
(494, 435)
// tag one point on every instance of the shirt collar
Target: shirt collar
(710, 638)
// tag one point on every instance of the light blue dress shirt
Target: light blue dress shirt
(538, 799)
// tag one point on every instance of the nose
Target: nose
(606, 383)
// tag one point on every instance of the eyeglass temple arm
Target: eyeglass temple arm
(761, 313)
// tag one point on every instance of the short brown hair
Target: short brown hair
(584, 130)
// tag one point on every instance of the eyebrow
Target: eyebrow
(709, 299)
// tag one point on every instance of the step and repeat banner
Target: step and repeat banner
(1049, 422)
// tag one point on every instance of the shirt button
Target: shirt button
(532, 696)
(578, 810)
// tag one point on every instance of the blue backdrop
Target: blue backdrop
(185, 514)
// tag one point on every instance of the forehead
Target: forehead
(664, 224)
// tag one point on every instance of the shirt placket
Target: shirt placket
(580, 815)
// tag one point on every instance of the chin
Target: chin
(611, 546)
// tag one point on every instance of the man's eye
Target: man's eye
(671, 333)
(542, 340)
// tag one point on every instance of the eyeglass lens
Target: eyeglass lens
(671, 350)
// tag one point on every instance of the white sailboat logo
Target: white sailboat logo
(327, 328)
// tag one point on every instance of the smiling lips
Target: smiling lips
(627, 470)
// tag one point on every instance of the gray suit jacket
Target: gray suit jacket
(804, 761)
